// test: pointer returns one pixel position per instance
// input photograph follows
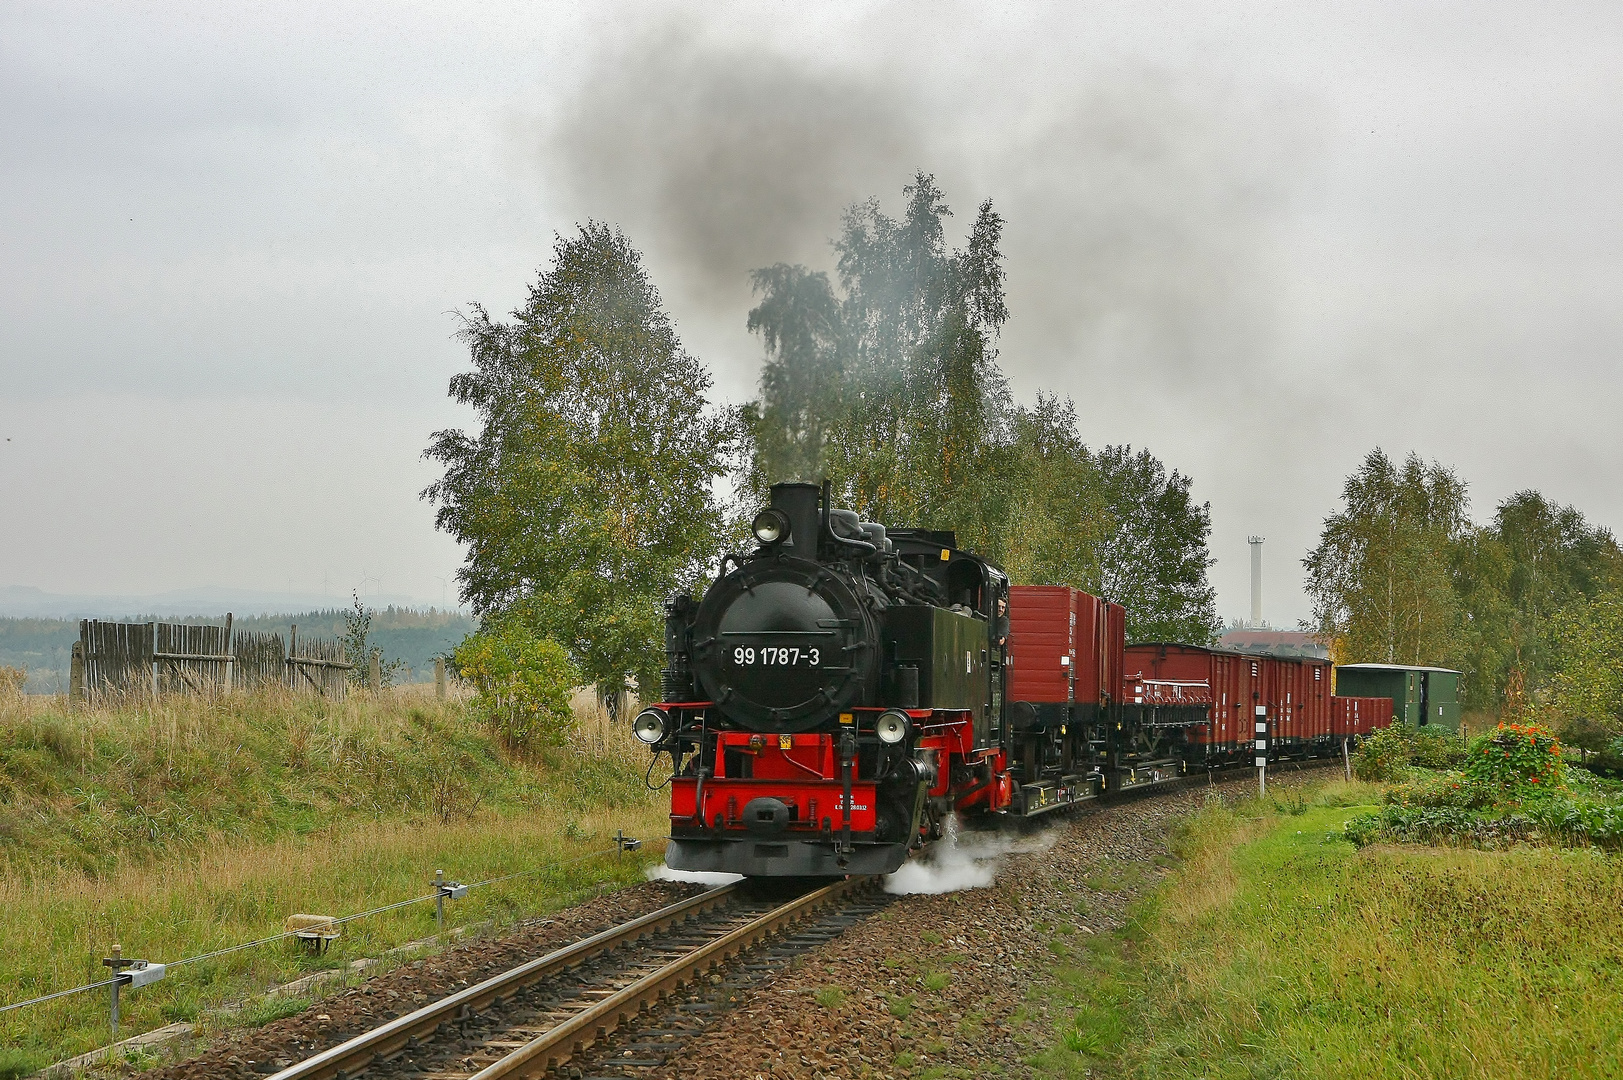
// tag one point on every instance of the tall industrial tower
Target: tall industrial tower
(1256, 582)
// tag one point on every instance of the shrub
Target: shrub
(1449, 789)
(1382, 757)
(1435, 747)
(1387, 754)
(523, 680)
(1559, 820)
(1514, 757)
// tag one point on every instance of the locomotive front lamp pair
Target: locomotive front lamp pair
(652, 724)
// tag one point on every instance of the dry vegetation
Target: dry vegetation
(185, 825)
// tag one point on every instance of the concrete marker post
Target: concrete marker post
(1262, 750)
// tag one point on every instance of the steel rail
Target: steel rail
(583, 1029)
(348, 1058)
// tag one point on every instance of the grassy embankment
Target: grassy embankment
(1276, 948)
(191, 825)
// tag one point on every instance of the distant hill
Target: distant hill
(25, 602)
(44, 647)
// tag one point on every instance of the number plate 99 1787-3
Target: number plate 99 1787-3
(776, 656)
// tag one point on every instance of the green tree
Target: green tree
(892, 388)
(803, 379)
(584, 498)
(1155, 560)
(1059, 521)
(1587, 683)
(359, 651)
(1380, 578)
(523, 681)
(1111, 522)
(1514, 577)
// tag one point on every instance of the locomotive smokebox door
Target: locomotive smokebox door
(781, 643)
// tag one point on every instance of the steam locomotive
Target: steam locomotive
(842, 690)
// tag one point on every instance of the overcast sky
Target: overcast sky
(1257, 239)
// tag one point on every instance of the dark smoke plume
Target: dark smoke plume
(1139, 204)
(722, 160)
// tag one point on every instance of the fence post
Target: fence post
(439, 902)
(1346, 759)
(231, 657)
(439, 676)
(76, 674)
(153, 640)
(118, 964)
(374, 672)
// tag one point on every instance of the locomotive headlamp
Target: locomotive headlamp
(770, 526)
(651, 725)
(891, 727)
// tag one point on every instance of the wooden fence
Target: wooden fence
(129, 659)
(317, 664)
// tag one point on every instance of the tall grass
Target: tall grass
(185, 825)
(1278, 951)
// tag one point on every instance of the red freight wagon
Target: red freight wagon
(1356, 717)
(1059, 664)
(1064, 646)
(1161, 674)
(1296, 692)
(1042, 650)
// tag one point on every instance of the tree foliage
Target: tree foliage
(1380, 578)
(1401, 576)
(523, 682)
(584, 497)
(1516, 576)
(1111, 522)
(1587, 688)
(890, 387)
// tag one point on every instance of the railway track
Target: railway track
(544, 1013)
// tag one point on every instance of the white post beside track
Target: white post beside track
(1262, 750)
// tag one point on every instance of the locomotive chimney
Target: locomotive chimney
(799, 504)
(1256, 581)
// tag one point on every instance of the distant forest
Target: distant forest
(43, 647)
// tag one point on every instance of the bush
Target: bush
(1434, 747)
(1386, 755)
(1516, 758)
(1382, 757)
(1449, 789)
(524, 682)
(1558, 820)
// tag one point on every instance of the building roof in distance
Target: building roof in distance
(1274, 643)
